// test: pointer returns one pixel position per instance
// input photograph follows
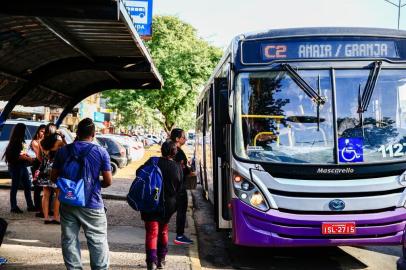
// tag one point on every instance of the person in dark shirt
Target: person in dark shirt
(17, 160)
(178, 136)
(156, 223)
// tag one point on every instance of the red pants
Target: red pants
(156, 240)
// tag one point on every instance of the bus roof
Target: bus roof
(233, 50)
(323, 31)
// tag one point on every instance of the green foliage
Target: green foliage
(134, 111)
(185, 62)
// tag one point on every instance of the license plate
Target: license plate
(338, 228)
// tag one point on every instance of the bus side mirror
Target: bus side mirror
(231, 106)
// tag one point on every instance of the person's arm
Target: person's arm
(107, 179)
(57, 165)
(106, 169)
(62, 137)
(54, 175)
(58, 144)
(36, 147)
(25, 157)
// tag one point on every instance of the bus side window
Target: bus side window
(221, 87)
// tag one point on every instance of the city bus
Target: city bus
(301, 138)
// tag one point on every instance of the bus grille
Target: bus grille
(302, 226)
(333, 195)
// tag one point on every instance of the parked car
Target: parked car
(135, 149)
(154, 138)
(123, 143)
(31, 128)
(118, 156)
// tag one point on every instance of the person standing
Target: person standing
(179, 138)
(156, 223)
(17, 160)
(36, 148)
(50, 144)
(91, 217)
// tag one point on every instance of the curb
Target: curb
(191, 228)
(117, 197)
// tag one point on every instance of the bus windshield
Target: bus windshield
(277, 122)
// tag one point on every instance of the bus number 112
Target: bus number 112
(394, 150)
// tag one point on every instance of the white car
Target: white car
(31, 128)
(136, 148)
(154, 138)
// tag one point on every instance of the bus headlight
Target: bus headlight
(257, 199)
(249, 193)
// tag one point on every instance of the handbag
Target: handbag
(72, 186)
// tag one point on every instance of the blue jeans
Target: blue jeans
(94, 224)
(19, 174)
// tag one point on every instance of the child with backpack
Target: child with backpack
(156, 221)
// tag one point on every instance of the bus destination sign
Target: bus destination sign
(328, 49)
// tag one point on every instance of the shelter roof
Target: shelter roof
(55, 52)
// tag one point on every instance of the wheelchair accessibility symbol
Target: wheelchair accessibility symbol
(350, 149)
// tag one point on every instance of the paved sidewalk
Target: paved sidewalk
(30, 244)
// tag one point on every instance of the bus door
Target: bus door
(221, 157)
(204, 149)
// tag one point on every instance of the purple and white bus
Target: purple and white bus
(301, 138)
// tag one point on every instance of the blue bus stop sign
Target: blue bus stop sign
(141, 14)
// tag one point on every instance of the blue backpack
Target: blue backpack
(145, 191)
(75, 180)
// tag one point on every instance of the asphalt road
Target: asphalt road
(217, 252)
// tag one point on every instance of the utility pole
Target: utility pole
(399, 6)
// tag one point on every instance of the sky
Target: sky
(218, 21)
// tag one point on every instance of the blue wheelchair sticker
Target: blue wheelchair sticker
(350, 150)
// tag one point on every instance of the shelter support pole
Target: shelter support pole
(14, 101)
(65, 112)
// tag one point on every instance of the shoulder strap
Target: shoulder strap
(155, 160)
(85, 153)
(72, 153)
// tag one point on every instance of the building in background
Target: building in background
(93, 107)
(30, 113)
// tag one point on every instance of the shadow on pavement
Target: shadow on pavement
(217, 251)
(388, 250)
(10, 266)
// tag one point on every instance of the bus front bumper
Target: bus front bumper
(273, 228)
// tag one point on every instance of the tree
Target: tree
(185, 62)
(133, 112)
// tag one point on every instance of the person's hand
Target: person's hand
(26, 157)
(60, 134)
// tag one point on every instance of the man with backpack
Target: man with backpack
(76, 169)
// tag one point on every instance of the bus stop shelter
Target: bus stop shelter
(57, 53)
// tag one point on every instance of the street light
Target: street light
(399, 6)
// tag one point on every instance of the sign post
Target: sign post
(141, 14)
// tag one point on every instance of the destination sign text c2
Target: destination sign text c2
(328, 49)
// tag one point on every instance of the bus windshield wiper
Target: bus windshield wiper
(369, 87)
(365, 98)
(309, 91)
